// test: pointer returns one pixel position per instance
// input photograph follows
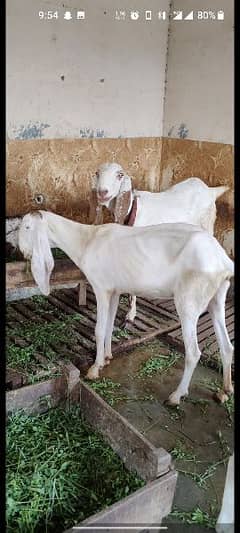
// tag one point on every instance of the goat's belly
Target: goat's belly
(153, 293)
(152, 289)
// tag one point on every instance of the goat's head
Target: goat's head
(34, 244)
(111, 183)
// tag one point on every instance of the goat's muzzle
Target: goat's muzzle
(103, 196)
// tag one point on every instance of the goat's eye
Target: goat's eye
(97, 174)
(120, 175)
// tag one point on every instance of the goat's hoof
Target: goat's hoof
(173, 400)
(229, 390)
(93, 373)
(220, 396)
(108, 359)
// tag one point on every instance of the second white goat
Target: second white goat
(177, 261)
(190, 201)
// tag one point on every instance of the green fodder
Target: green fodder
(59, 472)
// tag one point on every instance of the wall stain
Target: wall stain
(170, 132)
(183, 131)
(31, 131)
(88, 133)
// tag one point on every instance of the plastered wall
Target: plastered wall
(74, 78)
(198, 111)
(199, 81)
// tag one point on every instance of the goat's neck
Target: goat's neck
(71, 237)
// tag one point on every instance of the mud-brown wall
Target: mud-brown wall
(59, 172)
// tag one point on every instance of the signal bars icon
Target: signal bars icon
(189, 16)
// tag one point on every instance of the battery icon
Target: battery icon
(220, 15)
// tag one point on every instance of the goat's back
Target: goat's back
(190, 201)
(133, 258)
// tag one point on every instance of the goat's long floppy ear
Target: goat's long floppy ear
(123, 200)
(95, 212)
(42, 261)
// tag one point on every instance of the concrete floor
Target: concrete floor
(199, 427)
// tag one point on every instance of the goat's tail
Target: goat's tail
(218, 191)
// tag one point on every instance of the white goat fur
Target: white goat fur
(181, 261)
(190, 201)
(225, 522)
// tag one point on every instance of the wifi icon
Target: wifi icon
(177, 15)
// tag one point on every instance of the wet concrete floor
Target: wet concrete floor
(199, 433)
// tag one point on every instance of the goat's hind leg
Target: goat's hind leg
(216, 310)
(131, 314)
(132, 311)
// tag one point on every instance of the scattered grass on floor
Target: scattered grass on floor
(229, 406)
(178, 414)
(203, 404)
(213, 385)
(158, 364)
(21, 359)
(109, 391)
(216, 386)
(59, 472)
(201, 478)
(40, 338)
(180, 452)
(119, 333)
(225, 449)
(197, 517)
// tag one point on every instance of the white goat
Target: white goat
(190, 201)
(225, 522)
(169, 260)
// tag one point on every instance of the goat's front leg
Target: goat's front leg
(103, 301)
(109, 329)
(192, 356)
